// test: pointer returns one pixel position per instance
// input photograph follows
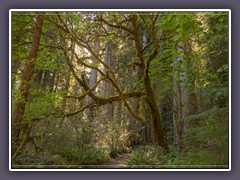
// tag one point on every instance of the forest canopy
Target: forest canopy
(90, 86)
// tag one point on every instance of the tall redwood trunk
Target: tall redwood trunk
(94, 74)
(26, 81)
(108, 89)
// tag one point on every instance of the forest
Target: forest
(119, 89)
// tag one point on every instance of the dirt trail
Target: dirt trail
(116, 163)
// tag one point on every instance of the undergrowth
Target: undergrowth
(77, 158)
(146, 157)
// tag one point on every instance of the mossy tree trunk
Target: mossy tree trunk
(158, 134)
(144, 63)
(25, 84)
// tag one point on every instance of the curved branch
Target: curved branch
(81, 110)
(97, 100)
(111, 99)
(87, 92)
(100, 18)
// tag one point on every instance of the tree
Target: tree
(24, 87)
(117, 80)
(143, 62)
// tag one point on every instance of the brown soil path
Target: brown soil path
(116, 163)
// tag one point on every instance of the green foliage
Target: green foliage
(85, 156)
(193, 51)
(117, 135)
(16, 96)
(204, 115)
(146, 157)
(211, 138)
(44, 104)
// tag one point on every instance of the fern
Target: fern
(206, 115)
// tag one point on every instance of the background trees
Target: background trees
(102, 83)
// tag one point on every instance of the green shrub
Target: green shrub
(85, 156)
(205, 142)
(146, 157)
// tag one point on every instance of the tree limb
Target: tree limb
(100, 18)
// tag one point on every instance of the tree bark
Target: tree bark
(180, 100)
(108, 89)
(158, 134)
(94, 74)
(67, 85)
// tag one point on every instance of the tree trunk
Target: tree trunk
(67, 85)
(107, 88)
(15, 67)
(180, 100)
(26, 80)
(94, 75)
(158, 134)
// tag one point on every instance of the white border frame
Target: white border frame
(115, 10)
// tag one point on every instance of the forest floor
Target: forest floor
(116, 163)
